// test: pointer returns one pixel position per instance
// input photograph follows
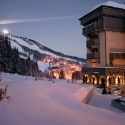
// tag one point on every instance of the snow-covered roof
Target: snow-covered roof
(111, 4)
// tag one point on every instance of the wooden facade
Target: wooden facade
(104, 29)
(105, 18)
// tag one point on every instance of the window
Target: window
(94, 36)
(95, 64)
(95, 50)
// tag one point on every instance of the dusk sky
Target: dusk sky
(53, 23)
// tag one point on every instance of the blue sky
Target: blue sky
(53, 23)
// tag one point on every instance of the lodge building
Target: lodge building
(104, 29)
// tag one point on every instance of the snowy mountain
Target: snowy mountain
(25, 56)
(27, 46)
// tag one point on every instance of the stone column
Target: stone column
(106, 82)
(89, 78)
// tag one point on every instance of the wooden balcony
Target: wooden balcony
(92, 42)
(92, 28)
(104, 70)
(94, 55)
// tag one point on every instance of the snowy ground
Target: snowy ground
(46, 103)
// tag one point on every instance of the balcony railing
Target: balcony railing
(91, 28)
(117, 55)
(102, 71)
(93, 55)
(91, 42)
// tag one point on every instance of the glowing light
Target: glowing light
(5, 31)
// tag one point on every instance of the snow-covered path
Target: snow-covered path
(46, 103)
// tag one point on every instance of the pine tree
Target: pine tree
(23, 65)
(36, 69)
(15, 60)
(8, 56)
(26, 67)
(18, 66)
(30, 68)
(1, 57)
(4, 53)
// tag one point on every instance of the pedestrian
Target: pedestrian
(103, 83)
(109, 80)
(118, 80)
(86, 79)
(83, 78)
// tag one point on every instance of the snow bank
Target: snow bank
(103, 101)
(46, 103)
(83, 93)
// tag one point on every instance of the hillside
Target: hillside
(27, 57)
(28, 46)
